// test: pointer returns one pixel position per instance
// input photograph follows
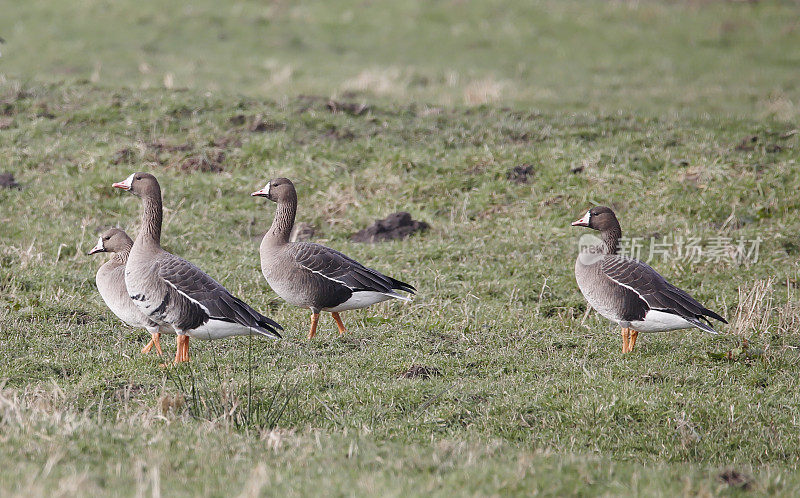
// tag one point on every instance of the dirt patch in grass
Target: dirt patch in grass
(237, 119)
(124, 155)
(520, 174)
(748, 143)
(352, 108)
(161, 145)
(307, 102)
(336, 133)
(420, 372)
(736, 479)
(226, 142)
(398, 225)
(209, 161)
(43, 111)
(753, 142)
(182, 156)
(7, 181)
(260, 124)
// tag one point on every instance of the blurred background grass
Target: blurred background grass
(734, 58)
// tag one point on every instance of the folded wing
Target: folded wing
(206, 299)
(655, 291)
(348, 272)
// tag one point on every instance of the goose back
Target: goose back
(172, 291)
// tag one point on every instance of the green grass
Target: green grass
(684, 57)
(533, 394)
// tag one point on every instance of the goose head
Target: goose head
(278, 190)
(113, 240)
(140, 184)
(599, 218)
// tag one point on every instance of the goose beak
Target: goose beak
(97, 248)
(124, 184)
(264, 192)
(583, 222)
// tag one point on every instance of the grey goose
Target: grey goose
(629, 292)
(110, 281)
(173, 292)
(313, 276)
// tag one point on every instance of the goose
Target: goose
(313, 276)
(629, 292)
(110, 281)
(173, 292)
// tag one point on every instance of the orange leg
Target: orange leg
(314, 320)
(625, 336)
(182, 349)
(186, 349)
(632, 341)
(339, 323)
(155, 340)
(178, 349)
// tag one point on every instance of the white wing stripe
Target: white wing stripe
(628, 287)
(326, 276)
(187, 296)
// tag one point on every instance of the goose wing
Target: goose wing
(335, 266)
(206, 299)
(653, 289)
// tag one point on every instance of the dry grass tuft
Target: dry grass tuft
(755, 308)
(381, 81)
(484, 91)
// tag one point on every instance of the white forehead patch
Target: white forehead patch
(129, 180)
(268, 186)
(99, 246)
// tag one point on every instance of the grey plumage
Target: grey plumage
(172, 291)
(628, 291)
(314, 276)
(110, 282)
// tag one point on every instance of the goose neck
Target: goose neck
(610, 238)
(150, 232)
(121, 257)
(281, 228)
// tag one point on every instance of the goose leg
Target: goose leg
(178, 346)
(632, 340)
(182, 349)
(339, 323)
(186, 348)
(314, 320)
(625, 336)
(178, 349)
(155, 340)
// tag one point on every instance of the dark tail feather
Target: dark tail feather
(708, 312)
(264, 325)
(268, 326)
(398, 285)
(704, 323)
(700, 324)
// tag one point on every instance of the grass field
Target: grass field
(682, 116)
